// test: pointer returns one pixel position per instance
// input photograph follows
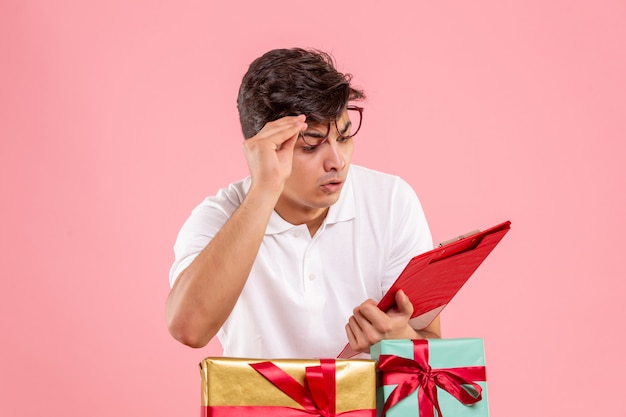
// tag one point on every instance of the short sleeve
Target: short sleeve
(204, 222)
(409, 232)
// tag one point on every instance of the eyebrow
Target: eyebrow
(318, 135)
(314, 134)
(346, 128)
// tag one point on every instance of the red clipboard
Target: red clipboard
(433, 278)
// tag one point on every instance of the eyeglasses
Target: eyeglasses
(349, 129)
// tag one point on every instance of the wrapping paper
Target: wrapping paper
(431, 377)
(288, 387)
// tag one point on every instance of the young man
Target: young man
(288, 262)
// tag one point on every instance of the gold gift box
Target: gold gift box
(232, 382)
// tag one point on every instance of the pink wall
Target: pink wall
(117, 117)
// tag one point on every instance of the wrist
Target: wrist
(425, 334)
(411, 333)
(262, 198)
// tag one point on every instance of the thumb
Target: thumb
(405, 307)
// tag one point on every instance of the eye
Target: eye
(343, 139)
(309, 149)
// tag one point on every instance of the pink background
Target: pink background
(117, 117)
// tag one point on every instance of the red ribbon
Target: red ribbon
(410, 374)
(317, 397)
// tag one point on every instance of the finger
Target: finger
(371, 318)
(287, 120)
(281, 130)
(368, 335)
(404, 305)
(371, 332)
(365, 304)
(359, 339)
(369, 301)
(274, 138)
(289, 144)
(354, 342)
(285, 140)
(351, 337)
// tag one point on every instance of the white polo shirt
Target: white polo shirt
(302, 289)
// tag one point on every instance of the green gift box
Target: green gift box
(431, 377)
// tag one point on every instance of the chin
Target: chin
(330, 199)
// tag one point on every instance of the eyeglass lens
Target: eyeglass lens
(347, 127)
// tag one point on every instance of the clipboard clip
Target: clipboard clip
(460, 237)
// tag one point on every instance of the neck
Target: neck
(315, 223)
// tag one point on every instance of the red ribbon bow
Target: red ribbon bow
(318, 395)
(410, 374)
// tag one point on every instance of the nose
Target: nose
(334, 159)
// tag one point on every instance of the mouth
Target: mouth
(332, 185)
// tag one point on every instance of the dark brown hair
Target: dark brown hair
(285, 82)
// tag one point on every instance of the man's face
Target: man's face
(318, 172)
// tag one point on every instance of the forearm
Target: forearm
(205, 293)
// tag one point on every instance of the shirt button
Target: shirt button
(311, 277)
(296, 233)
